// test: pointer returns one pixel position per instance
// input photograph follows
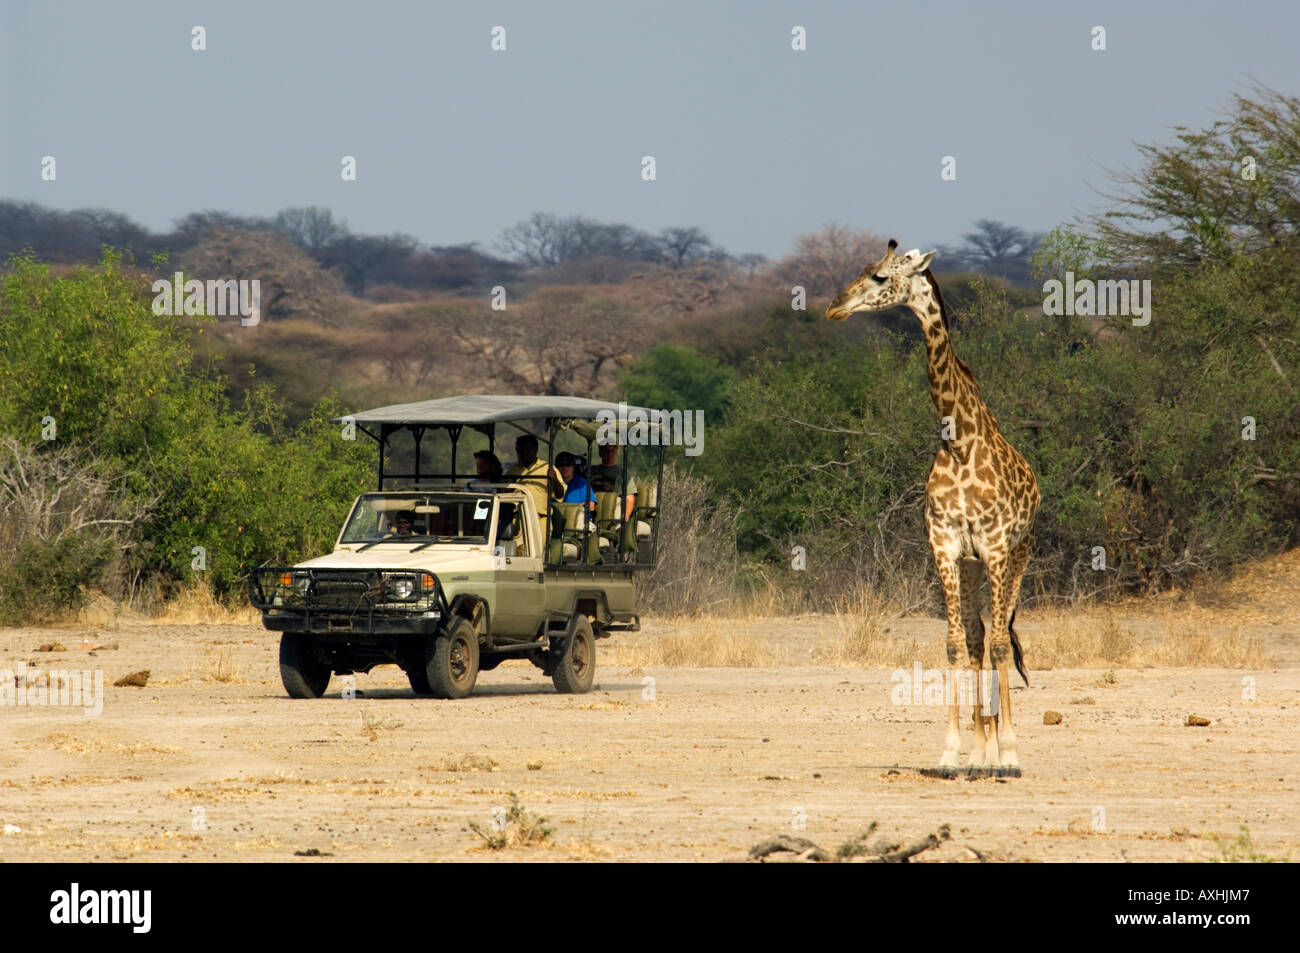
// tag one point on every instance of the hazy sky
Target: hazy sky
(753, 142)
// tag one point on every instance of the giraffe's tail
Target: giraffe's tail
(1016, 652)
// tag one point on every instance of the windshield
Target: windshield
(419, 517)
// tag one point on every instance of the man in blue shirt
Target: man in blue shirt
(578, 491)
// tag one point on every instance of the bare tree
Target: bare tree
(196, 226)
(414, 351)
(363, 260)
(560, 341)
(674, 292)
(66, 503)
(311, 228)
(292, 284)
(683, 245)
(825, 261)
(548, 241)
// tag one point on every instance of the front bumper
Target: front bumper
(369, 602)
(323, 623)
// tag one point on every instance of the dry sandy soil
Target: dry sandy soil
(210, 761)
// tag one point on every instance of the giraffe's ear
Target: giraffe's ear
(923, 262)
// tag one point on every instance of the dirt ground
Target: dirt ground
(210, 761)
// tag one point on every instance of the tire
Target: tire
(419, 680)
(303, 676)
(576, 667)
(451, 661)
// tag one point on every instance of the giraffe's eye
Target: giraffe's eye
(878, 280)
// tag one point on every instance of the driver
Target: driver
(402, 523)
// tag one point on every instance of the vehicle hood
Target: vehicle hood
(435, 559)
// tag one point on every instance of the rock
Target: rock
(135, 679)
(1051, 717)
(52, 647)
(1196, 721)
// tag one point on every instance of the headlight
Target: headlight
(300, 582)
(402, 588)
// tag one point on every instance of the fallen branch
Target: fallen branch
(801, 850)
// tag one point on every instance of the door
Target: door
(517, 563)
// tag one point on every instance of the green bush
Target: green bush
(51, 576)
(1134, 434)
(673, 377)
(86, 350)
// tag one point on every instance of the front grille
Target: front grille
(347, 592)
(341, 591)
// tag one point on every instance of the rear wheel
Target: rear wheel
(451, 661)
(576, 668)
(303, 674)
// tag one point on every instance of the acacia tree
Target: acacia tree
(1232, 188)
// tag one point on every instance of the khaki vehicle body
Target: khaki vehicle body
(446, 578)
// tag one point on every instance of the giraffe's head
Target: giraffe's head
(882, 285)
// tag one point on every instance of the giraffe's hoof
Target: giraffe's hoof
(945, 771)
(1006, 771)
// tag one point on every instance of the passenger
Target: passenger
(578, 491)
(606, 476)
(488, 467)
(402, 523)
(535, 475)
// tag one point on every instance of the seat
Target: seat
(571, 534)
(639, 527)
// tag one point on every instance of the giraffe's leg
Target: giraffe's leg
(1005, 574)
(948, 563)
(972, 578)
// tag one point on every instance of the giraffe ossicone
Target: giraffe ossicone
(981, 500)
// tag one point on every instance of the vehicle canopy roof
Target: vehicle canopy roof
(471, 409)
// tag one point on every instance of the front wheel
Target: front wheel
(419, 680)
(576, 668)
(451, 661)
(303, 675)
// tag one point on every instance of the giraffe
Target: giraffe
(981, 502)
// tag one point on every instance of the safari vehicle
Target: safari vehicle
(446, 576)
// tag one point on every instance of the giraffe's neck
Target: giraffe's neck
(961, 409)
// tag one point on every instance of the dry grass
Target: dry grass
(515, 826)
(703, 642)
(222, 666)
(373, 725)
(97, 743)
(1106, 638)
(469, 762)
(197, 604)
(862, 636)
